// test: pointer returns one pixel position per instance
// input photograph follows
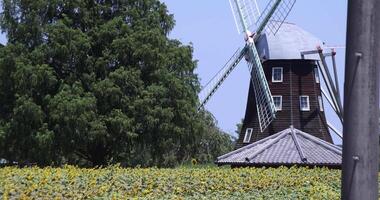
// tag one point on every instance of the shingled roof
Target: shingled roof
(286, 148)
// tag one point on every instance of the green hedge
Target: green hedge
(181, 183)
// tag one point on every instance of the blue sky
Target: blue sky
(209, 26)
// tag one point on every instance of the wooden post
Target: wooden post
(361, 101)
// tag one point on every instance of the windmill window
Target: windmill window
(277, 102)
(248, 134)
(320, 103)
(316, 73)
(304, 103)
(277, 74)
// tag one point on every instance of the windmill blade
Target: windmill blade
(264, 102)
(274, 15)
(246, 13)
(212, 86)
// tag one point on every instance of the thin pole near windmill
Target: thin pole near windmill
(361, 101)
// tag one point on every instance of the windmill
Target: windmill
(285, 122)
(248, 16)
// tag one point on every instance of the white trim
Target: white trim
(282, 74)
(280, 107)
(248, 135)
(316, 75)
(320, 102)
(307, 101)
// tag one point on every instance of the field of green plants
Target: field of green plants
(181, 183)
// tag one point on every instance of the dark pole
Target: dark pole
(361, 101)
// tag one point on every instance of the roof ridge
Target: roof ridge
(325, 144)
(275, 140)
(298, 146)
(251, 145)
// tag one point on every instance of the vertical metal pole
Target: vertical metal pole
(329, 82)
(329, 86)
(361, 102)
(333, 54)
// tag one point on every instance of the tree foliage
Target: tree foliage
(97, 82)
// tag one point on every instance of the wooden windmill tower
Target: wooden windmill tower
(294, 78)
(285, 63)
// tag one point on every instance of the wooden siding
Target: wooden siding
(298, 79)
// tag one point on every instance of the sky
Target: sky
(209, 26)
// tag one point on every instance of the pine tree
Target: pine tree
(95, 82)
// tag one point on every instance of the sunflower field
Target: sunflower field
(116, 182)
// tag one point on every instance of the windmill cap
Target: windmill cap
(288, 43)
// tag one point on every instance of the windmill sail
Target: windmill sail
(246, 13)
(212, 86)
(274, 15)
(264, 102)
(275, 8)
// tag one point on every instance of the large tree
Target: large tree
(93, 82)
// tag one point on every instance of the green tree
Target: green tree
(214, 142)
(239, 127)
(96, 82)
